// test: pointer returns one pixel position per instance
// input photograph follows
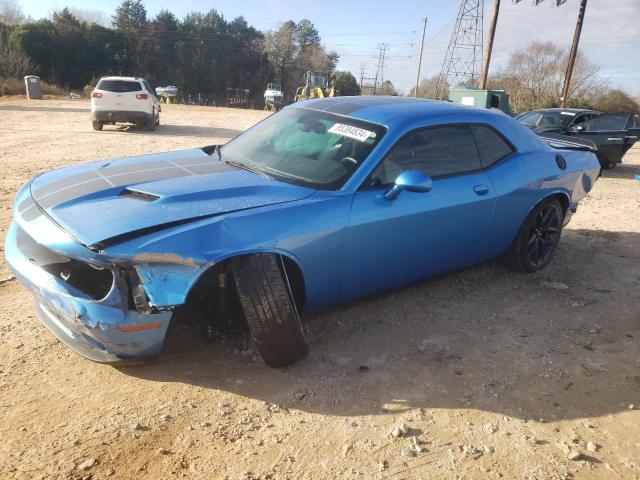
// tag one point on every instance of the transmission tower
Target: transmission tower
(463, 60)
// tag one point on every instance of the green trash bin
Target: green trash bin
(34, 87)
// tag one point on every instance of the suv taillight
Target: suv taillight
(142, 96)
(96, 95)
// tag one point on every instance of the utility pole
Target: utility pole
(487, 53)
(375, 80)
(384, 54)
(424, 31)
(380, 67)
(572, 54)
(362, 67)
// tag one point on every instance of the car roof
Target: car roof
(387, 110)
(572, 110)
(128, 79)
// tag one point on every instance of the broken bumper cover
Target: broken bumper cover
(105, 330)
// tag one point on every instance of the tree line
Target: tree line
(533, 79)
(201, 53)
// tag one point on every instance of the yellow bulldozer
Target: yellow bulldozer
(316, 86)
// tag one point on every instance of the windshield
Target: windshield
(555, 119)
(307, 147)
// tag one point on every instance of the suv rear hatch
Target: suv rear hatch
(119, 95)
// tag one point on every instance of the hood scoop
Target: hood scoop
(139, 195)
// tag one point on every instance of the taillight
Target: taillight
(96, 95)
(142, 96)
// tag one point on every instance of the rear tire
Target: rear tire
(97, 126)
(537, 238)
(269, 308)
(151, 122)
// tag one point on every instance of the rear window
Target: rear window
(492, 147)
(120, 86)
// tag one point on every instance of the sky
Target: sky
(355, 28)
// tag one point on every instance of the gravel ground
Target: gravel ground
(494, 374)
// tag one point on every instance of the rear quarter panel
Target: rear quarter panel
(525, 179)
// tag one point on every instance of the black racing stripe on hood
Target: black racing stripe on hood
(116, 176)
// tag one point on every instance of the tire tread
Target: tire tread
(269, 308)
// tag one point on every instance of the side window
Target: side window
(492, 146)
(434, 151)
(612, 121)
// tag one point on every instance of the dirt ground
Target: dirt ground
(496, 374)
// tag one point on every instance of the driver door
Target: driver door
(417, 235)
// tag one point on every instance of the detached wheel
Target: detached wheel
(537, 238)
(97, 126)
(269, 308)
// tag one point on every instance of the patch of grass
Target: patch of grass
(15, 86)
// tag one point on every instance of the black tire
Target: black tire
(269, 308)
(605, 163)
(151, 122)
(537, 238)
(97, 126)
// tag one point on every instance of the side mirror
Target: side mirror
(411, 181)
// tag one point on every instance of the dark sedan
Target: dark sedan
(613, 133)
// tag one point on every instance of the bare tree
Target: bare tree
(427, 88)
(11, 13)
(13, 62)
(533, 77)
(281, 48)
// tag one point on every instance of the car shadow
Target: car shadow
(622, 170)
(485, 338)
(176, 130)
(24, 108)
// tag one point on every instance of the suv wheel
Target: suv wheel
(151, 122)
(97, 126)
(269, 308)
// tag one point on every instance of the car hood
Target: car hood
(102, 202)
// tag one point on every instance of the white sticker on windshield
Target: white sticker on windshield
(356, 133)
(568, 113)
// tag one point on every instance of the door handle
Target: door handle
(481, 189)
(614, 139)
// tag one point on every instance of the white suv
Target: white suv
(124, 100)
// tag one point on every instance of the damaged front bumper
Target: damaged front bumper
(108, 329)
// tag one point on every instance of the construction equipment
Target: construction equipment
(316, 86)
(273, 97)
(476, 97)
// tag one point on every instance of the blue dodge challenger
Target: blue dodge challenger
(325, 201)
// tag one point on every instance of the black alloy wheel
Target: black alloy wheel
(543, 235)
